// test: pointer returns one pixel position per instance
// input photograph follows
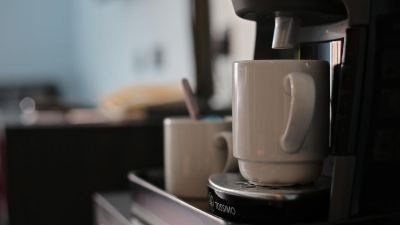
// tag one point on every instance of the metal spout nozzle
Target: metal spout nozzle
(285, 32)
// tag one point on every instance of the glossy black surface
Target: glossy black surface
(311, 12)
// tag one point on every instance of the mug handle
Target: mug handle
(301, 88)
(224, 142)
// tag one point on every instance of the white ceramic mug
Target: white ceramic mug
(280, 120)
(193, 150)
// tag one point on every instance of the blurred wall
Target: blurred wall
(122, 42)
(91, 47)
(240, 35)
(36, 42)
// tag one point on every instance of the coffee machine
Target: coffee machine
(365, 94)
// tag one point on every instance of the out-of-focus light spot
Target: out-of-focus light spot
(27, 105)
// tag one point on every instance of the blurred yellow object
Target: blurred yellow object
(130, 103)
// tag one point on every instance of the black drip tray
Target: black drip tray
(233, 198)
(153, 205)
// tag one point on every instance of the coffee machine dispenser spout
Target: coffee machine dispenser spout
(285, 32)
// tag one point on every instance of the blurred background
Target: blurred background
(85, 84)
(76, 53)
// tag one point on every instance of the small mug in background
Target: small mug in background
(193, 150)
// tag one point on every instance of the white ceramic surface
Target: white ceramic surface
(193, 150)
(280, 120)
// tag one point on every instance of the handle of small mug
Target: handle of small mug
(301, 89)
(224, 142)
